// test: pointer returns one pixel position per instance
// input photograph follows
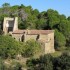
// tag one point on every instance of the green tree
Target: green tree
(8, 47)
(68, 18)
(53, 18)
(31, 48)
(6, 5)
(35, 12)
(62, 62)
(60, 40)
(41, 23)
(42, 63)
(6, 8)
(64, 27)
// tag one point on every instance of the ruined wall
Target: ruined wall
(48, 43)
(15, 24)
(28, 37)
(10, 22)
(17, 36)
(46, 39)
(49, 46)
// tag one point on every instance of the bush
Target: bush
(17, 66)
(62, 62)
(13, 66)
(1, 64)
(8, 47)
(43, 63)
(30, 48)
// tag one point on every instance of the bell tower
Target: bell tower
(10, 25)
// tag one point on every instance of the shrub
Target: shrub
(31, 47)
(8, 47)
(62, 62)
(43, 63)
(1, 64)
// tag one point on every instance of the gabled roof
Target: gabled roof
(33, 31)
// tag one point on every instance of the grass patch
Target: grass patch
(56, 54)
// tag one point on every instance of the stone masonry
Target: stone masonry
(46, 37)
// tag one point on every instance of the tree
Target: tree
(41, 23)
(46, 62)
(14, 13)
(6, 8)
(60, 40)
(53, 18)
(42, 63)
(62, 62)
(68, 18)
(8, 47)
(64, 27)
(6, 5)
(35, 12)
(22, 13)
(22, 25)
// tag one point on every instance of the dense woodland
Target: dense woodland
(33, 19)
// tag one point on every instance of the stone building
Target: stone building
(10, 25)
(46, 37)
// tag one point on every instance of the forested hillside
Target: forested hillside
(33, 19)
(29, 18)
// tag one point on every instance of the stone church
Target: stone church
(46, 37)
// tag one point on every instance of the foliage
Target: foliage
(43, 63)
(17, 66)
(31, 47)
(1, 32)
(1, 64)
(8, 47)
(60, 40)
(33, 19)
(47, 62)
(62, 62)
(53, 18)
(41, 23)
(6, 5)
(64, 27)
(11, 66)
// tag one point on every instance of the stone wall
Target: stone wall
(8, 23)
(17, 36)
(48, 45)
(46, 39)
(28, 37)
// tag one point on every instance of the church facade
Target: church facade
(46, 37)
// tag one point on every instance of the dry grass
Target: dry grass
(56, 54)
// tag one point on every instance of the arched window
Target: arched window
(22, 38)
(37, 37)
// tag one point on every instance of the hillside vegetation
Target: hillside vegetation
(33, 19)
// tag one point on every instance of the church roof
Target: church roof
(33, 31)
